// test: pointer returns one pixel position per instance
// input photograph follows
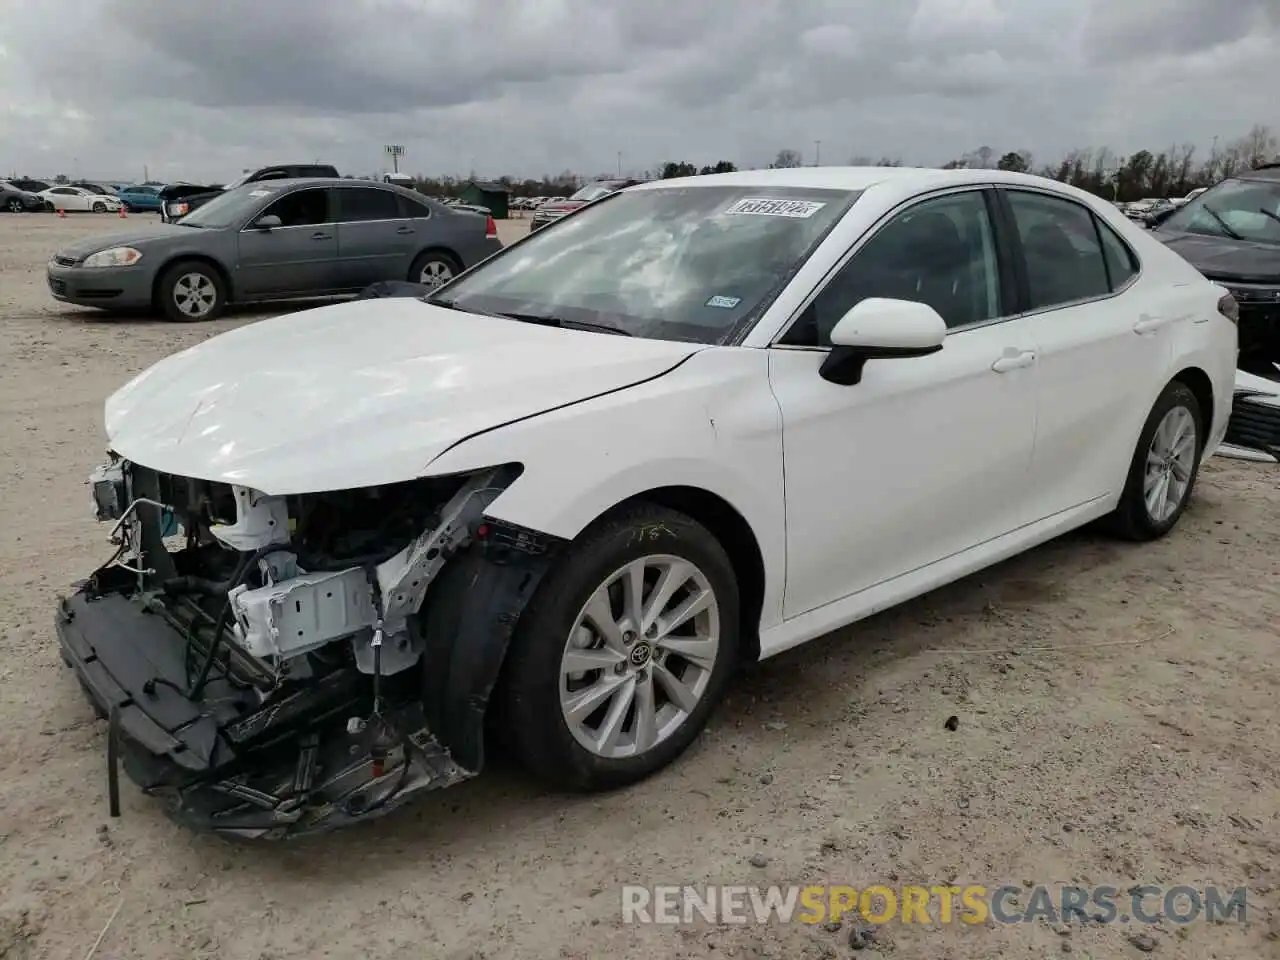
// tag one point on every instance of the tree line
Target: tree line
(1171, 172)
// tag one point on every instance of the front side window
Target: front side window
(940, 252)
(1064, 257)
(675, 263)
(362, 203)
(1238, 209)
(301, 208)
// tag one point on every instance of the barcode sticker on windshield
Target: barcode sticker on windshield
(725, 303)
(768, 207)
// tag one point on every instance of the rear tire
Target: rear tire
(433, 268)
(561, 660)
(191, 291)
(1162, 474)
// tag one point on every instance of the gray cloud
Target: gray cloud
(508, 86)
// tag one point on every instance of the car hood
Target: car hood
(360, 393)
(152, 234)
(1222, 258)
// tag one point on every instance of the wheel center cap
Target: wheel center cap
(640, 654)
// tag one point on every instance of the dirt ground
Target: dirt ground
(1118, 722)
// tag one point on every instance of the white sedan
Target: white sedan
(79, 200)
(695, 423)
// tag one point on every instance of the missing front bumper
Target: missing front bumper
(231, 761)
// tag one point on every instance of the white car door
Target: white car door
(71, 199)
(927, 456)
(1104, 343)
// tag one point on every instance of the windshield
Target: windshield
(594, 192)
(675, 263)
(1239, 209)
(229, 208)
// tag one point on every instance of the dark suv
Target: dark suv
(1231, 234)
(179, 199)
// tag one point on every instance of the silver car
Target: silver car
(274, 240)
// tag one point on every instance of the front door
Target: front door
(299, 257)
(926, 456)
(375, 240)
(1099, 353)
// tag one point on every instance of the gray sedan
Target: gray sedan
(16, 200)
(275, 240)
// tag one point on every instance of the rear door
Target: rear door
(297, 258)
(1103, 346)
(375, 240)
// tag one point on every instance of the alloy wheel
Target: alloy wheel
(194, 295)
(435, 273)
(640, 656)
(1171, 459)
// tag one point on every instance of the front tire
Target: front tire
(624, 651)
(13, 205)
(191, 291)
(1165, 465)
(99, 208)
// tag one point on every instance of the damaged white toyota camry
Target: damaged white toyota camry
(693, 424)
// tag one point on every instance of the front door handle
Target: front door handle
(405, 230)
(1148, 324)
(1017, 361)
(321, 235)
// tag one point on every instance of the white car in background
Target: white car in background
(79, 200)
(695, 423)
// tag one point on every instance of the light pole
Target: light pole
(817, 153)
(619, 164)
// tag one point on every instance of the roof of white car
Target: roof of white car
(844, 178)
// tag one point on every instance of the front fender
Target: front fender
(711, 424)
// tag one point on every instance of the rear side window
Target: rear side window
(1122, 265)
(411, 209)
(358, 204)
(1064, 257)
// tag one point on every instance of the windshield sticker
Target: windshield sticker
(768, 207)
(725, 303)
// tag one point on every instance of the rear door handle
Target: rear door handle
(1148, 324)
(1016, 361)
(405, 230)
(321, 235)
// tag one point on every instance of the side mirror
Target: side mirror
(881, 329)
(1160, 216)
(269, 222)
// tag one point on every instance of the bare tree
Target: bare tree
(788, 158)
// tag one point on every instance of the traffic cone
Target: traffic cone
(62, 213)
(123, 215)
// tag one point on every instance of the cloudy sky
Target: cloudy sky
(199, 90)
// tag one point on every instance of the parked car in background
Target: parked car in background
(272, 240)
(1231, 234)
(13, 199)
(553, 210)
(1179, 201)
(181, 199)
(30, 186)
(102, 189)
(79, 200)
(704, 422)
(141, 197)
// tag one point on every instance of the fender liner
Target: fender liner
(468, 618)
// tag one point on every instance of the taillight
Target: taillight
(490, 228)
(1229, 308)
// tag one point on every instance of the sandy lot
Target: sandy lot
(1118, 723)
